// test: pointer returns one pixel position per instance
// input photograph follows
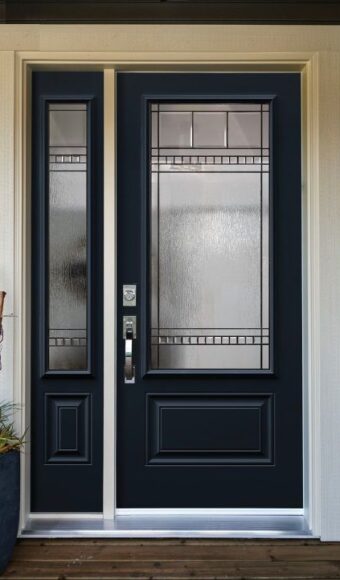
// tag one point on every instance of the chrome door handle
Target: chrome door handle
(129, 373)
(129, 335)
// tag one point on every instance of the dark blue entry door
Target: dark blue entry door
(209, 291)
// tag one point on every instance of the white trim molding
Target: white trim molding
(109, 434)
(109, 62)
(311, 293)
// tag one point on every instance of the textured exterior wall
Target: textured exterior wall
(7, 216)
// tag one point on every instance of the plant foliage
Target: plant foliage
(9, 440)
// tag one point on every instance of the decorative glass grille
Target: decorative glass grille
(67, 233)
(210, 250)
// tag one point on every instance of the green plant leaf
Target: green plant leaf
(9, 440)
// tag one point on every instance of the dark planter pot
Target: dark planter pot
(9, 504)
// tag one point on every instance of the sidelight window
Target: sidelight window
(67, 236)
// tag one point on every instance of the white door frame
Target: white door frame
(109, 63)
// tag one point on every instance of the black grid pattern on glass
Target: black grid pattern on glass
(67, 337)
(60, 158)
(68, 159)
(246, 340)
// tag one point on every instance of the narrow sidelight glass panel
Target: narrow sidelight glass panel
(67, 237)
(210, 230)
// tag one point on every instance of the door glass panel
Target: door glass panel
(210, 233)
(67, 236)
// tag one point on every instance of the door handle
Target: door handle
(129, 335)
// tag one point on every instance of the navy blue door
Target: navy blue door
(67, 303)
(209, 291)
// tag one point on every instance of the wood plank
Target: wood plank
(63, 559)
(173, 542)
(148, 551)
(175, 569)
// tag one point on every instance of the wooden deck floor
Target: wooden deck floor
(156, 559)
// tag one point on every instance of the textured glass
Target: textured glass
(175, 129)
(67, 237)
(202, 236)
(68, 127)
(210, 238)
(209, 129)
(265, 129)
(244, 129)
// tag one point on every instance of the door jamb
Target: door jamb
(109, 63)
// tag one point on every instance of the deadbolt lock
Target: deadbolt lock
(129, 294)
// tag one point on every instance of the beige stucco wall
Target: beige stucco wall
(7, 214)
(144, 38)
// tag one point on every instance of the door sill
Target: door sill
(169, 526)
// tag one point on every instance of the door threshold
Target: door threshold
(169, 526)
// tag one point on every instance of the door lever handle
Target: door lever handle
(129, 335)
